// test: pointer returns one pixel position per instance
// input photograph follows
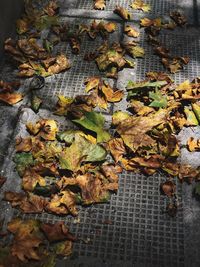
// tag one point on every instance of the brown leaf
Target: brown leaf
(99, 4)
(134, 130)
(63, 203)
(29, 203)
(140, 5)
(179, 18)
(111, 172)
(26, 239)
(168, 188)
(23, 144)
(131, 31)
(117, 149)
(193, 145)
(64, 248)
(11, 98)
(122, 12)
(57, 232)
(31, 179)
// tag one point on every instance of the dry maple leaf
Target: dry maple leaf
(23, 144)
(63, 203)
(26, 239)
(193, 145)
(11, 98)
(122, 12)
(131, 31)
(116, 148)
(140, 5)
(28, 203)
(134, 130)
(31, 179)
(47, 129)
(146, 22)
(99, 4)
(179, 18)
(57, 232)
(111, 172)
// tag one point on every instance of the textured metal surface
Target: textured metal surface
(181, 43)
(157, 7)
(131, 228)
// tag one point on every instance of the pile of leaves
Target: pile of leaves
(153, 28)
(159, 109)
(69, 168)
(113, 58)
(36, 243)
(33, 57)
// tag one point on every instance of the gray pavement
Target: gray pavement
(141, 235)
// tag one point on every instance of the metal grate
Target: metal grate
(131, 228)
(157, 7)
(181, 44)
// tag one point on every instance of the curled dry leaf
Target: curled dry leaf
(63, 203)
(57, 232)
(168, 188)
(179, 18)
(116, 148)
(193, 145)
(26, 239)
(140, 5)
(131, 31)
(99, 4)
(28, 203)
(122, 12)
(11, 98)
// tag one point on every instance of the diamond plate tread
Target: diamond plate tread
(131, 228)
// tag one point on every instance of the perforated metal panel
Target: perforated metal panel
(132, 229)
(180, 43)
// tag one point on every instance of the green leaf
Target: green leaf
(23, 160)
(159, 101)
(191, 118)
(36, 102)
(67, 136)
(145, 84)
(81, 150)
(94, 122)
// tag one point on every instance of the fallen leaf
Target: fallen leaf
(26, 239)
(159, 100)
(179, 18)
(64, 248)
(122, 12)
(30, 179)
(11, 98)
(168, 188)
(23, 144)
(131, 31)
(63, 203)
(99, 4)
(193, 145)
(140, 5)
(94, 122)
(81, 150)
(57, 232)
(116, 148)
(36, 102)
(23, 161)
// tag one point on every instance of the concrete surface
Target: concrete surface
(163, 237)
